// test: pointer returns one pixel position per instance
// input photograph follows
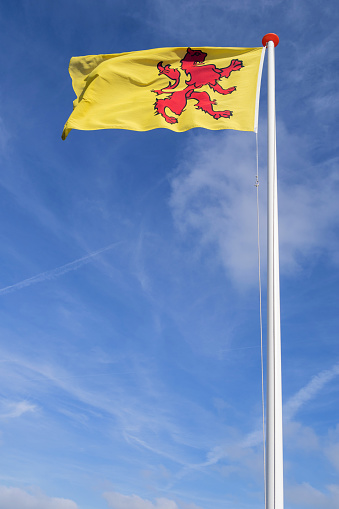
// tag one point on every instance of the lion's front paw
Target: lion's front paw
(236, 65)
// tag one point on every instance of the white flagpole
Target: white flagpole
(274, 439)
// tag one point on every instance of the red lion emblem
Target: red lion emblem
(200, 74)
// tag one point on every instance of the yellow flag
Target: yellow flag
(173, 88)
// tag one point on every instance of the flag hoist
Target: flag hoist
(179, 89)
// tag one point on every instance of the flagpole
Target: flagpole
(274, 438)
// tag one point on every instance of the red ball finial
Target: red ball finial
(270, 37)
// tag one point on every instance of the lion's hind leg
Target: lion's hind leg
(206, 104)
(176, 103)
(160, 105)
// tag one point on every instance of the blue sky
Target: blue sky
(129, 326)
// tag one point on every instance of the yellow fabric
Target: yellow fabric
(117, 91)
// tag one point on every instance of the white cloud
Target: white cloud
(332, 453)
(306, 496)
(119, 501)
(11, 409)
(213, 196)
(191, 505)
(16, 498)
(332, 447)
(297, 436)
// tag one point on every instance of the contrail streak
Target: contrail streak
(58, 271)
(310, 390)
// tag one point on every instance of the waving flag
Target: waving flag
(173, 88)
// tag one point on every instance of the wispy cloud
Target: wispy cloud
(197, 20)
(133, 414)
(246, 452)
(4, 136)
(57, 272)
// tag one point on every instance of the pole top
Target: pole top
(270, 37)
